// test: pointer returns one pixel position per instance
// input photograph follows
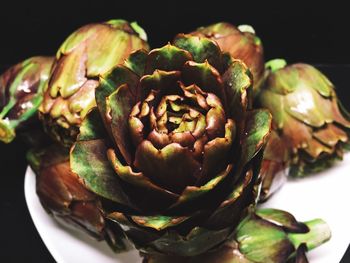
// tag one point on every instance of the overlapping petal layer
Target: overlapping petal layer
(178, 160)
(241, 43)
(311, 128)
(86, 54)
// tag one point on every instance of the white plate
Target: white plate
(325, 195)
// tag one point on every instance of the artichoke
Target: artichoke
(87, 53)
(64, 197)
(266, 236)
(242, 43)
(21, 88)
(310, 126)
(173, 148)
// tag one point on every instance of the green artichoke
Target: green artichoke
(242, 43)
(178, 164)
(64, 197)
(21, 88)
(310, 126)
(86, 54)
(266, 236)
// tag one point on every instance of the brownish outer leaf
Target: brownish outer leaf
(62, 193)
(240, 44)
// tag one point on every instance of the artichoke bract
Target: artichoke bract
(311, 127)
(86, 54)
(21, 88)
(275, 166)
(265, 236)
(178, 162)
(242, 43)
(64, 197)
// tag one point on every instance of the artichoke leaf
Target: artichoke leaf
(312, 77)
(159, 80)
(238, 85)
(307, 106)
(167, 58)
(241, 196)
(193, 193)
(262, 241)
(119, 105)
(283, 219)
(136, 62)
(204, 76)
(216, 151)
(198, 241)
(142, 183)
(202, 49)
(257, 131)
(172, 167)
(111, 81)
(88, 160)
(331, 135)
(274, 103)
(92, 127)
(159, 222)
(67, 84)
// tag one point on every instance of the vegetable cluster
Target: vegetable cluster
(170, 150)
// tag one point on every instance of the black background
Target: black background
(309, 31)
(316, 33)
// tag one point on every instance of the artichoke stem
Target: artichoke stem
(139, 30)
(319, 233)
(7, 132)
(275, 64)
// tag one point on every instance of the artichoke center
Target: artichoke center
(174, 115)
(190, 117)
